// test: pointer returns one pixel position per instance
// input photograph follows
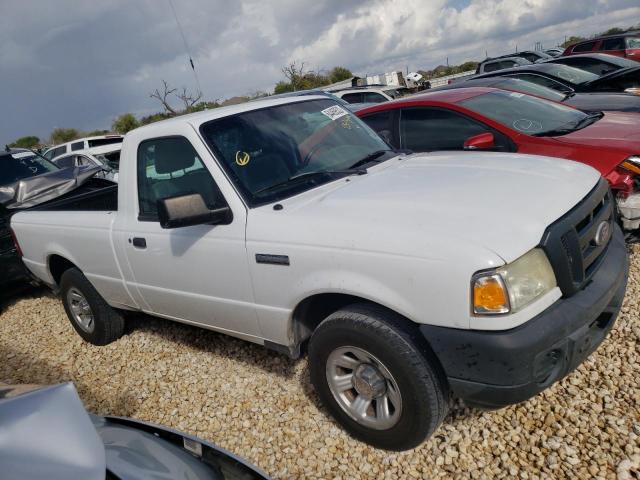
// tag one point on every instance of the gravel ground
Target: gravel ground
(260, 405)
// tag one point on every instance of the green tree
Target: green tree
(30, 141)
(613, 31)
(283, 87)
(155, 117)
(572, 39)
(63, 135)
(124, 123)
(337, 74)
(97, 133)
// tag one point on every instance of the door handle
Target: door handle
(139, 242)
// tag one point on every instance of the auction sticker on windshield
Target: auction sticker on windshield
(334, 112)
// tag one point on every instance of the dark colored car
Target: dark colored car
(605, 101)
(47, 434)
(570, 79)
(598, 63)
(622, 45)
(15, 165)
(491, 119)
(26, 180)
(495, 64)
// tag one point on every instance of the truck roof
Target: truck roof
(198, 118)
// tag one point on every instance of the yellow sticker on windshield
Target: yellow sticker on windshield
(346, 122)
(242, 158)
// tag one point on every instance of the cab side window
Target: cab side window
(373, 97)
(380, 122)
(65, 162)
(584, 47)
(432, 129)
(170, 167)
(614, 44)
(353, 97)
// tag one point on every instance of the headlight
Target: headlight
(512, 287)
(632, 164)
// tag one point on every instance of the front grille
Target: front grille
(572, 242)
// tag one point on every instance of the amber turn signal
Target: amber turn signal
(490, 295)
(632, 164)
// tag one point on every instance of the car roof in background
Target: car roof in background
(545, 67)
(605, 57)
(453, 95)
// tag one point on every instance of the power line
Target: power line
(186, 46)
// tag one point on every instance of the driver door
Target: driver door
(197, 274)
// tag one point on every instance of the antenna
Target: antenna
(186, 47)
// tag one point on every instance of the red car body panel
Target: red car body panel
(630, 53)
(602, 145)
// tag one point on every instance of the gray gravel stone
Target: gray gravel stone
(260, 405)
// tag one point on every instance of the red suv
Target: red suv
(623, 45)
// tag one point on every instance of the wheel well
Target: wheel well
(313, 310)
(57, 266)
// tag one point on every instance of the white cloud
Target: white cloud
(78, 63)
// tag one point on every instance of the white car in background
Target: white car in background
(106, 157)
(378, 94)
(81, 144)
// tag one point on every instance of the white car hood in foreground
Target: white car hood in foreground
(435, 203)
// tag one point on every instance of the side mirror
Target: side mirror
(188, 210)
(482, 141)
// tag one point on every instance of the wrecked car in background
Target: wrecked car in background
(26, 180)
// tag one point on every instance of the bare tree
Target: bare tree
(294, 73)
(162, 97)
(188, 99)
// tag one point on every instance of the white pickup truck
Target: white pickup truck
(408, 278)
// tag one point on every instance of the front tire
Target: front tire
(93, 318)
(377, 378)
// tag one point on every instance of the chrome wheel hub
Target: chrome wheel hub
(364, 388)
(80, 310)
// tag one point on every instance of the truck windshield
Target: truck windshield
(279, 151)
(19, 165)
(527, 114)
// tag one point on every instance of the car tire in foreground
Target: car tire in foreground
(377, 377)
(93, 319)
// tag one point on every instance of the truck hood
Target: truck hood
(427, 204)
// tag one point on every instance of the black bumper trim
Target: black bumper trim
(498, 368)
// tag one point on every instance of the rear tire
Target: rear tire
(363, 353)
(92, 317)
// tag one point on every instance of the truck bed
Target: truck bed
(95, 195)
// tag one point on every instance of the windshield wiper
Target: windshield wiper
(588, 120)
(370, 158)
(308, 175)
(554, 132)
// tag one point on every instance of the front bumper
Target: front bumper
(495, 369)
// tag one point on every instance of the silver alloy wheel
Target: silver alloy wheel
(364, 388)
(80, 309)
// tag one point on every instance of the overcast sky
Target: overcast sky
(79, 63)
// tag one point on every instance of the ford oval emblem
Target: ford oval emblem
(602, 233)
